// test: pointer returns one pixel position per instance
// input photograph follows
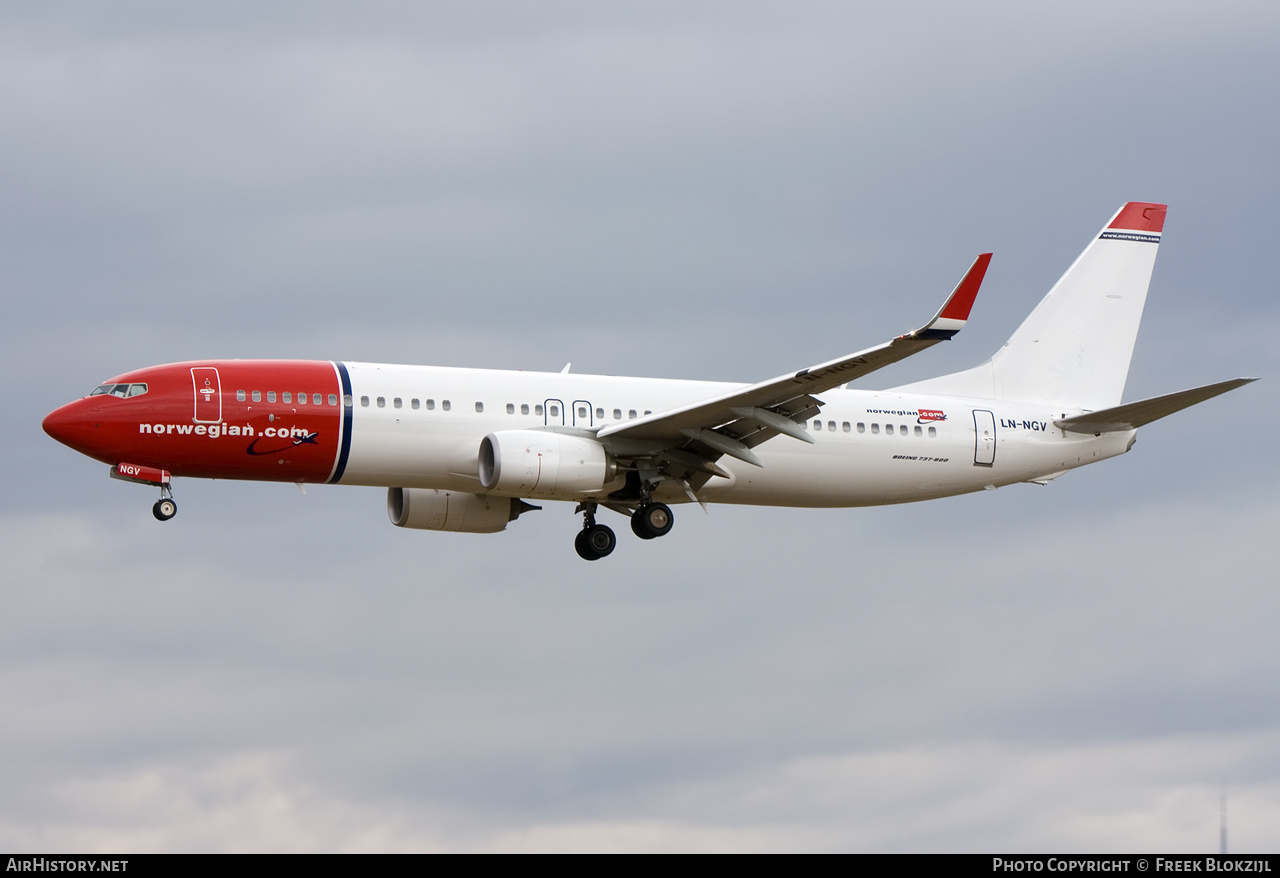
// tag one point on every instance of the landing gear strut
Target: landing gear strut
(594, 541)
(165, 508)
(652, 520)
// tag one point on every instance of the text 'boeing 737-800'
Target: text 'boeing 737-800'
(466, 449)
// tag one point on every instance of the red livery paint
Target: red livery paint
(1140, 216)
(277, 420)
(132, 472)
(927, 415)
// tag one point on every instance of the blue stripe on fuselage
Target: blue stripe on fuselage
(348, 407)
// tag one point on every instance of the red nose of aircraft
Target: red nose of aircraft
(74, 426)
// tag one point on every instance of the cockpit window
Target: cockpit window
(120, 390)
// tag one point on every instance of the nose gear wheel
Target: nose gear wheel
(165, 508)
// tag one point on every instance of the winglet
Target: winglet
(952, 316)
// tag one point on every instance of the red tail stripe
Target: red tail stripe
(1140, 216)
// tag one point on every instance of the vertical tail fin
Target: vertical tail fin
(1074, 348)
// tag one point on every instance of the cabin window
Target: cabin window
(875, 428)
(511, 408)
(600, 413)
(256, 396)
(648, 411)
(346, 400)
(845, 426)
(888, 429)
(554, 411)
(933, 431)
(364, 401)
(631, 413)
(302, 399)
(271, 396)
(524, 408)
(817, 425)
(537, 409)
(382, 402)
(919, 430)
(445, 405)
(318, 398)
(415, 404)
(582, 411)
(288, 397)
(617, 414)
(831, 425)
(398, 402)
(902, 428)
(333, 399)
(862, 428)
(431, 405)
(240, 396)
(479, 407)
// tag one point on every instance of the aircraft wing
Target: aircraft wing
(694, 436)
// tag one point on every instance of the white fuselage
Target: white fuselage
(421, 426)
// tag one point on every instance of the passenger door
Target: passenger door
(207, 387)
(984, 429)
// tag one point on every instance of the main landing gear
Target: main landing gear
(652, 520)
(595, 541)
(165, 508)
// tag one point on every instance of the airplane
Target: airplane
(468, 449)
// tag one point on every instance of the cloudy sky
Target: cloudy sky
(709, 190)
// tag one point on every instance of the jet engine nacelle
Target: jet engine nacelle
(428, 509)
(534, 463)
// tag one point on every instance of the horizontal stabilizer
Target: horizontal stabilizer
(1133, 415)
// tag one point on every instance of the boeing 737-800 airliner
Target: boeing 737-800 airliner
(466, 449)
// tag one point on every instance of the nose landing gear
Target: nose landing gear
(165, 507)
